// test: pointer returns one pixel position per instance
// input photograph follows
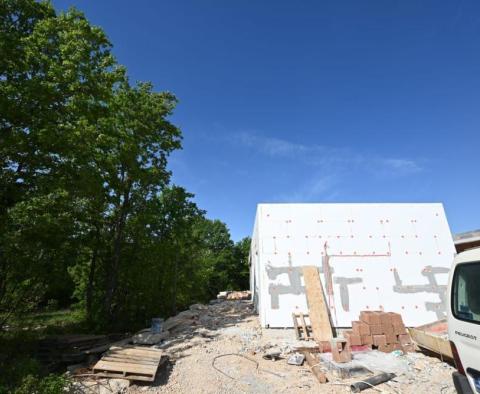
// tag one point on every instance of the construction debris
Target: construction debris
(234, 295)
(225, 335)
(371, 382)
(147, 337)
(296, 359)
(54, 351)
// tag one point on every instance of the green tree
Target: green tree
(56, 76)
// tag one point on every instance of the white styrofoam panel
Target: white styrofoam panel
(377, 252)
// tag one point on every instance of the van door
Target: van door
(464, 327)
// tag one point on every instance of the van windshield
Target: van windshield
(466, 292)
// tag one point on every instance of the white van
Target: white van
(464, 320)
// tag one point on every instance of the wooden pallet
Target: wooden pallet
(129, 362)
(302, 330)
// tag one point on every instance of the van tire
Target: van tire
(461, 383)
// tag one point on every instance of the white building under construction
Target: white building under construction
(394, 257)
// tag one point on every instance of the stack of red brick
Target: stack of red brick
(384, 331)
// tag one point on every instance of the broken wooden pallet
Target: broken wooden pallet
(302, 329)
(129, 362)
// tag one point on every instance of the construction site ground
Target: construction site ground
(219, 348)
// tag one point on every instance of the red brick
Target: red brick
(385, 319)
(376, 329)
(396, 318)
(342, 355)
(379, 340)
(370, 317)
(388, 329)
(391, 338)
(360, 328)
(353, 339)
(367, 340)
(398, 328)
(404, 339)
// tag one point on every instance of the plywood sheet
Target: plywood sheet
(319, 317)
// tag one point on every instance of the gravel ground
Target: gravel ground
(220, 351)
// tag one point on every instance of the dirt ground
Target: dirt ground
(221, 351)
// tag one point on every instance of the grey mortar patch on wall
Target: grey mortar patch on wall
(432, 287)
(294, 279)
(344, 293)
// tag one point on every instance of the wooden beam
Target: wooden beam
(313, 363)
(318, 311)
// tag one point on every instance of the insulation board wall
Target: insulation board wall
(394, 257)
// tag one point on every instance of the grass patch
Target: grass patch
(63, 321)
(20, 371)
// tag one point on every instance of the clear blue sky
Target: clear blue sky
(312, 101)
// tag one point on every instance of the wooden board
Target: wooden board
(318, 312)
(129, 362)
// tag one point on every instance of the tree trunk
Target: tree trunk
(91, 275)
(117, 251)
(175, 280)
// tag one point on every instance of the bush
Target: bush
(51, 384)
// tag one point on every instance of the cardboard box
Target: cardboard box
(379, 340)
(370, 317)
(367, 340)
(376, 329)
(360, 328)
